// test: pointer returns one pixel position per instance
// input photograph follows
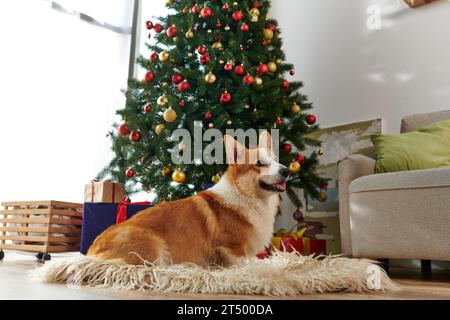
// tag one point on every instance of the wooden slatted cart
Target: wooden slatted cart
(43, 227)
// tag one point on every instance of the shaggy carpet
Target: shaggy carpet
(282, 274)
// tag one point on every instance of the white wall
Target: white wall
(352, 73)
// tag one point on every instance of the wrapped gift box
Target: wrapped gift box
(290, 242)
(97, 217)
(104, 192)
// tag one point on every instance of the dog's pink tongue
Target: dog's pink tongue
(281, 186)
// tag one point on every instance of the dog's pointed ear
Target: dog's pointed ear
(234, 150)
(265, 141)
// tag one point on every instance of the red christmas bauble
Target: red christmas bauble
(149, 25)
(226, 7)
(206, 13)
(237, 16)
(195, 9)
(182, 104)
(264, 42)
(135, 136)
(263, 68)
(123, 129)
(271, 26)
(208, 115)
(153, 56)
(228, 67)
(225, 98)
(185, 10)
(130, 173)
(239, 70)
(300, 159)
(287, 147)
(279, 121)
(148, 108)
(184, 86)
(218, 25)
(256, 4)
(292, 72)
(149, 76)
(201, 49)
(248, 80)
(245, 27)
(285, 84)
(158, 28)
(204, 59)
(177, 78)
(311, 119)
(171, 32)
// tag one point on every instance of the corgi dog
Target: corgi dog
(223, 225)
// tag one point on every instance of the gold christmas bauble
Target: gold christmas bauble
(294, 167)
(162, 101)
(227, 28)
(215, 178)
(258, 81)
(322, 196)
(210, 78)
(229, 122)
(268, 34)
(179, 176)
(159, 129)
(255, 11)
(254, 18)
(165, 171)
(170, 115)
(296, 108)
(189, 34)
(217, 45)
(272, 67)
(169, 2)
(164, 56)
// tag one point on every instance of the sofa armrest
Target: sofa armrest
(349, 169)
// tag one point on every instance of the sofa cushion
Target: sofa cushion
(416, 179)
(424, 149)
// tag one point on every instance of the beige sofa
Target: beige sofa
(401, 215)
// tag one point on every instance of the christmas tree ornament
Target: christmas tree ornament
(256, 4)
(184, 86)
(209, 31)
(123, 129)
(226, 7)
(218, 24)
(185, 10)
(170, 115)
(177, 78)
(204, 59)
(179, 176)
(208, 115)
(158, 28)
(272, 67)
(311, 119)
(321, 152)
(227, 28)
(135, 136)
(189, 34)
(159, 129)
(149, 76)
(169, 2)
(279, 121)
(149, 25)
(258, 81)
(285, 84)
(171, 31)
(229, 122)
(206, 13)
(255, 11)
(322, 196)
(165, 171)
(271, 27)
(201, 49)
(294, 167)
(239, 70)
(292, 72)
(268, 34)
(241, 47)
(215, 178)
(287, 147)
(228, 67)
(217, 45)
(245, 27)
(182, 104)
(237, 16)
(164, 56)
(195, 9)
(153, 56)
(162, 101)
(225, 98)
(264, 42)
(211, 125)
(130, 173)
(210, 78)
(190, 55)
(248, 80)
(296, 108)
(148, 108)
(300, 159)
(254, 18)
(263, 69)
(164, 84)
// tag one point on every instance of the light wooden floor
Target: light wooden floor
(16, 284)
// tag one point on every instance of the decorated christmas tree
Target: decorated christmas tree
(219, 63)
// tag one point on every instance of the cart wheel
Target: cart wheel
(39, 256)
(2, 255)
(47, 257)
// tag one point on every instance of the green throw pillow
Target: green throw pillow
(424, 149)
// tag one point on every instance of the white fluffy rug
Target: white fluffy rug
(282, 274)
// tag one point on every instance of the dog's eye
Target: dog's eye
(260, 164)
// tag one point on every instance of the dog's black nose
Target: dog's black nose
(284, 172)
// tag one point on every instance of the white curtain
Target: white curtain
(60, 81)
